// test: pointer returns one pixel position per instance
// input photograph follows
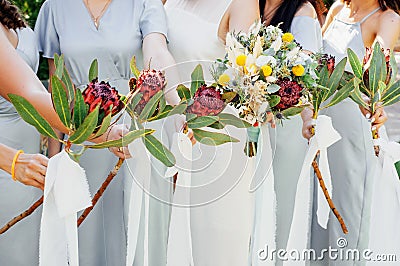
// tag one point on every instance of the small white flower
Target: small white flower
(276, 45)
(265, 60)
(271, 79)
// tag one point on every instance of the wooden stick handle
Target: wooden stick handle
(21, 216)
(328, 198)
(101, 190)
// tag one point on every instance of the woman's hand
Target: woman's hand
(30, 169)
(116, 132)
(308, 123)
(378, 119)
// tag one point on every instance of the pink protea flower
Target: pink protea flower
(102, 93)
(207, 101)
(148, 83)
(290, 93)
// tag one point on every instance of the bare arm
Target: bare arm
(389, 29)
(155, 52)
(18, 78)
(333, 11)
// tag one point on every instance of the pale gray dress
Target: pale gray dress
(352, 159)
(288, 145)
(65, 27)
(20, 245)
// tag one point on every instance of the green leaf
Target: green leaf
(66, 79)
(292, 111)
(324, 76)
(134, 68)
(212, 138)
(179, 109)
(273, 88)
(59, 65)
(183, 92)
(217, 125)
(159, 151)
(394, 68)
(87, 127)
(162, 115)
(124, 141)
(60, 101)
(104, 125)
(30, 115)
(356, 95)
(130, 108)
(94, 70)
(375, 67)
(197, 79)
(229, 119)
(274, 100)
(149, 108)
(334, 79)
(202, 121)
(80, 110)
(355, 63)
(341, 94)
(162, 104)
(391, 92)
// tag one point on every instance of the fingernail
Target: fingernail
(368, 116)
(373, 120)
(373, 128)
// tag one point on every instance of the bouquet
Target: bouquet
(265, 73)
(375, 78)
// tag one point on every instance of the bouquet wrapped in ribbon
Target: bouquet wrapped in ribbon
(375, 78)
(265, 73)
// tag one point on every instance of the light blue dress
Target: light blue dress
(352, 159)
(289, 149)
(20, 245)
(66, 27)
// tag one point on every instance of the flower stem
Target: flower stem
(101, 190)
(375, 135)
(21, 216)
(328, 198)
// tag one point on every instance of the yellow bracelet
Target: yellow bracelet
(13, 164)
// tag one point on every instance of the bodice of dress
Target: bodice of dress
(28, 51)
(307, 32)
(194, 37)
(66, 27)
(341, 35)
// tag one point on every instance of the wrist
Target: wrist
(6, 157)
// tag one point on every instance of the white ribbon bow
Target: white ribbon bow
(66, 192)
(179, 249)
(325, 136)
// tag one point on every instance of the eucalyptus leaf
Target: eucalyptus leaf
(80, 111)
(355, 63)
(179, 109)
(292, 111)
(217, 125)
(273, 88)
(159, 151)
(183, 92)
(30, 115)
(60, 101)
(197, 79)
(202, 121)
(212, 138)
(86, 128)
(274, 100)
(230, 119)
(94, 70)
(124, 141)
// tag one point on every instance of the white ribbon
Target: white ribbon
(264, 233)
(325, 136)
(385, 210)
(179, 249)
(140, 169)
(66, 192)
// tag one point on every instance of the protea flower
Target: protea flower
(148, 83)
(290, 93)
(102, 93)
(366, 62)
(207, 101)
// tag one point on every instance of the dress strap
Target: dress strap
(370, 14)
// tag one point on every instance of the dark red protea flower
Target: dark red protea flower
(328, 61)
(207, 101)
(101, 93)
(148, 83)
(290, 93)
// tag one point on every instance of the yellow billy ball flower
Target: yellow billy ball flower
(267, 70)
(298, 70)
(287, 37)
(241, 60)
(224, 79)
